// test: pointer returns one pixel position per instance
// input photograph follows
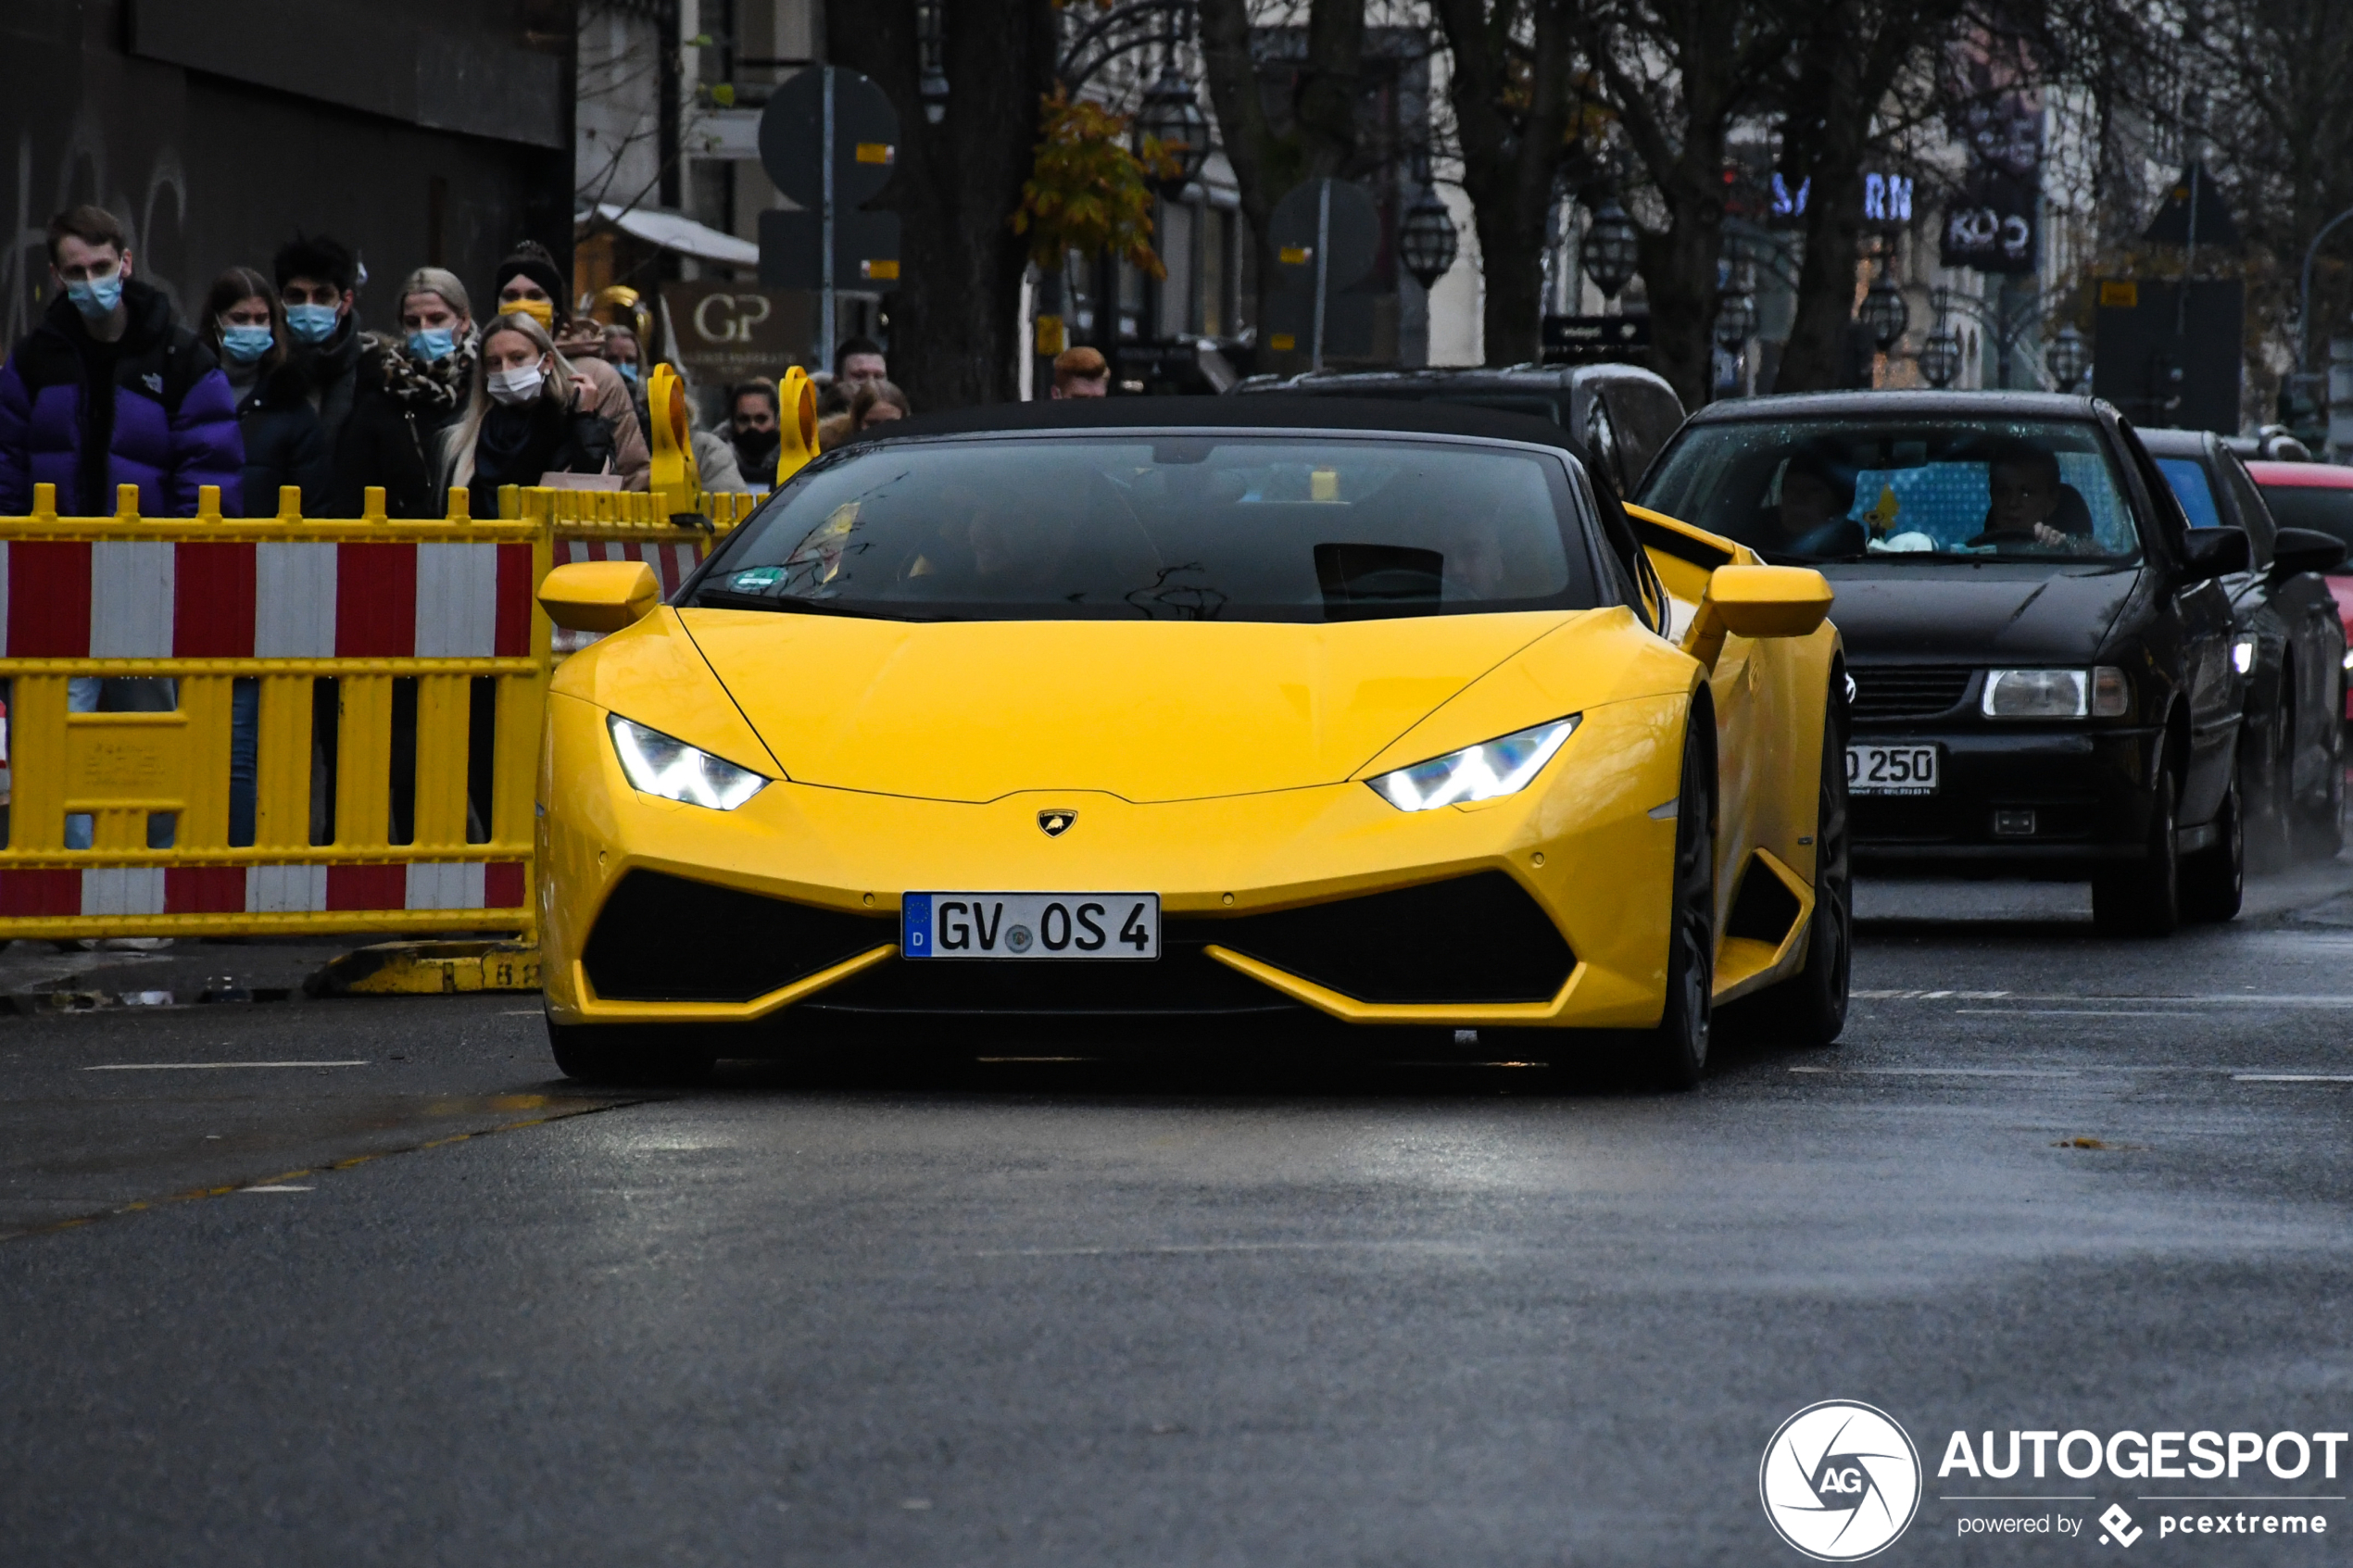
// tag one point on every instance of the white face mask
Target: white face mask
(515, 387)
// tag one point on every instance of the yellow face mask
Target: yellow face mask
(538, 310)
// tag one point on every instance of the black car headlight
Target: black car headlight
(1492, 769)
(2100, 692)
(663, 765)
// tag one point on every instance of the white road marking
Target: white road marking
(2292, 1077)
(2055, 1012)
(206, 1066)
(2213, 998)
(1946, 1071)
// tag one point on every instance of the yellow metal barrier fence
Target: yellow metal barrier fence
(228, 726)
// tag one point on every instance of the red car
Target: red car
(2319, 496)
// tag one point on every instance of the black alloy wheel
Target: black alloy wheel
(1809, 1008)
(2214, 879)
(2272, 829)
(640, 1056)
(1677, 1050)
(2143, 897)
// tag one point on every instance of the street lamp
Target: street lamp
(1611, 252)
(1884, 311)
(1427, 240)
(1171, 116)
(931, 57)
(2067, 358)
(1941, 357)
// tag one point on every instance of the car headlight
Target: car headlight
(2102, 692)
(659, 764)
(1504, 766)
(2242, 654)
(2348, 661)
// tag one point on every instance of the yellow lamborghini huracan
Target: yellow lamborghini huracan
(1196, 708)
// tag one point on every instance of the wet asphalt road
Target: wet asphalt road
(1073, 1314)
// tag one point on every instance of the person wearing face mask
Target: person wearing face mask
(162, 417)
(283, 440)
(529, 283)
(316, 277)
(532, 413)
(412, 387)
(109, 390)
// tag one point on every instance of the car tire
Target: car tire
(2214, 879)
(1809, 1008)
(2270, 826)
(631, 1055)
(2144, 898)
(2319, 822)
(1676, 1050)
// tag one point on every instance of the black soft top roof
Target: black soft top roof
(1905, 403)
(1262, 411)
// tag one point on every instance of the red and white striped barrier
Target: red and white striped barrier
(264, 890)
(672, 563)
(132, 599)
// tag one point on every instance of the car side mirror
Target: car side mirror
(1757, 601)
(600, 595)
(2305, 550)
(2213, 552)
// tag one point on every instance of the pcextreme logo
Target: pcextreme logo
(1840, 1481)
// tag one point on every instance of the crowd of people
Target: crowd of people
(275, 394)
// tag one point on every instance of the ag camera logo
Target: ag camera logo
(1840, 1481)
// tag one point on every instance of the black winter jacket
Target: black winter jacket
(286, 444)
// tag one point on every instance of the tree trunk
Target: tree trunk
(1320, 139)
(1679, 269)
(955, 316)
(1512, 122)
(1844, 74)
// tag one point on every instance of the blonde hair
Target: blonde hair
(433, 280)
(557, 389)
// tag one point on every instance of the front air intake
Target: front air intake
(665, 939)
(1474, 939)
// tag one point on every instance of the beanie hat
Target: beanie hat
(530, 260)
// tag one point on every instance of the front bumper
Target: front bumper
(1580, 849)
(2058, 801)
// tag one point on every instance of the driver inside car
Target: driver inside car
(1812, 517)
(2031, 509)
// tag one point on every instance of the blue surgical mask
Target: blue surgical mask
(96, 298)
(246, 344)
(629, 372)
(311, 323)
(432, 344)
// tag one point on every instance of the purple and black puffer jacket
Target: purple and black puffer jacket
(166, 422)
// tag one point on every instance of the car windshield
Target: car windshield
(2325, 511)
(1851, 488)
(1165, 527)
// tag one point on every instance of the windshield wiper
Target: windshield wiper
(727, 599)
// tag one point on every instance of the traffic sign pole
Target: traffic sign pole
(1322, 269)
(826, 290)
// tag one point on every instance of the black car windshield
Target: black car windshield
(1276, 526)
(1855, 487)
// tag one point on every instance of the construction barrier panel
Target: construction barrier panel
(399, 676)
(386, 678)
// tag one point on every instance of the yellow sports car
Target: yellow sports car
(1195, 709)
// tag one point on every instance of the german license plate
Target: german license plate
(1908, 768)
(1029, 925)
